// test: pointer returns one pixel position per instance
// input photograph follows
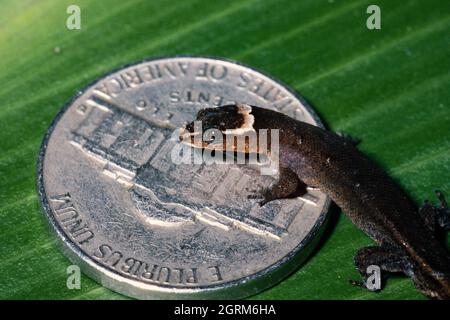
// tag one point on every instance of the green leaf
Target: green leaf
(388, 87)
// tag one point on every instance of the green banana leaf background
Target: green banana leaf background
(388, 87)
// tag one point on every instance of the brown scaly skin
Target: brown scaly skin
(374, 202)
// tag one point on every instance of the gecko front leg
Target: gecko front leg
(287, 186)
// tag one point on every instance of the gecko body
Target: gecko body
(310, 156)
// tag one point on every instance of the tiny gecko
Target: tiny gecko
(311, 156)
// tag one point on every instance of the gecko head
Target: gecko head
(225, 128)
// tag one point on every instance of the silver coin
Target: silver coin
(146, 227)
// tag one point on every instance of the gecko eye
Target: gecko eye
(190, 127)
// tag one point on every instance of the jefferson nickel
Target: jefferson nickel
(146, 227)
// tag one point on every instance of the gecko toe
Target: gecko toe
(436, 215)
(262, 196)
(441, 199)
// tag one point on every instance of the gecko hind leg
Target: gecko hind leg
(288, 186)
(436, 217)
(387, 258)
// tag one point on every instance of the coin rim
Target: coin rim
(238, 288)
